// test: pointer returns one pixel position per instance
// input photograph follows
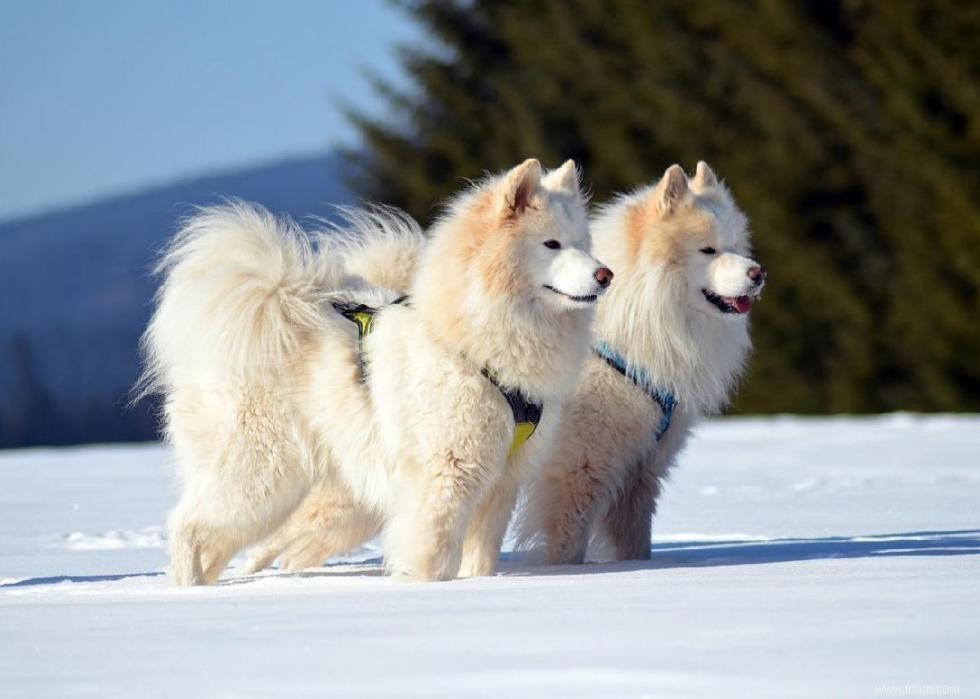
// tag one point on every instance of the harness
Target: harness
(664, 398)
(363, 317)
(527, 414)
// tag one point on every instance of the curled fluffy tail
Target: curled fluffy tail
(241, 290)
(378, 245)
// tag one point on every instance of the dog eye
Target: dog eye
(708, 250)
(552, 244)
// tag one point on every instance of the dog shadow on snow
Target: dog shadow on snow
(708, 553)
(687, 554)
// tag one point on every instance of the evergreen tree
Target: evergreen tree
(849, 130)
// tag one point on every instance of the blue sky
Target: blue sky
(103, 96)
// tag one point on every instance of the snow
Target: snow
(793, 557)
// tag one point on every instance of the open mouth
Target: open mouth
(591, 298)
(729, 304)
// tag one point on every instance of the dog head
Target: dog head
(508, 279)
(521, 237)
(552, 245)
(693, 228)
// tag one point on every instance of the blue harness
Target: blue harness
(664, 398)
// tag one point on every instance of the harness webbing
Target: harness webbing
(362, 316)
(664, 398)
(526, 413)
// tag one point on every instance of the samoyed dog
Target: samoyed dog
(282, 372)
(672, 339)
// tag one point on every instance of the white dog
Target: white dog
(677, 312)
(672, 339)
(412, 410)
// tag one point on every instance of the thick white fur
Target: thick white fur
(604, 476)
(382, 247)
(375, 245)
(265, 398)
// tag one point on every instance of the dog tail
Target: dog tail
(241, 291)
(379, 245)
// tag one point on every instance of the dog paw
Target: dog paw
(419, 574)
(477, 567)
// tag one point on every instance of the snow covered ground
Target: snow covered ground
(792, 557)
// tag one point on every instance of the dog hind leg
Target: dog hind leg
(329, 522)
(233, 496)
(347, 529)
(185, 550)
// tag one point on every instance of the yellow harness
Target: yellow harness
(527, 414)
(364, 321)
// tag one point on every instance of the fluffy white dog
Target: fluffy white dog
(279, 375)
(672, 339)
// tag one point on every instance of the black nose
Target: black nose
(757, 274)
(603, 276)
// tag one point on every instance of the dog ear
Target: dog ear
(671, 189)
(520, 184)
(704, 176)
(565, 178)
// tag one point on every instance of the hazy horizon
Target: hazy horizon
(168, 181)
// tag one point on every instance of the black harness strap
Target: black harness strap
(524, 410)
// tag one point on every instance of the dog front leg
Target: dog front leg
(627, 523)
(481, 547)
(424, 536)
(571, 506)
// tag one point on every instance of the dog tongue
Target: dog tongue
(743, 304)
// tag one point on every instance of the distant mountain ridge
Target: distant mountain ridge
(76, 290)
